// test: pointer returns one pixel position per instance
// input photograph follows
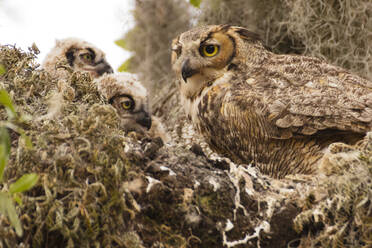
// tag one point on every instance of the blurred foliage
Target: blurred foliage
(121, 43)
(6, 101)
(2, 69)
(4, 150)
(26, 182)
(125, 66)
(195, 3)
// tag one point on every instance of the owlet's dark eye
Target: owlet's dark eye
(127, 104)
(87, 56)
(209, 50)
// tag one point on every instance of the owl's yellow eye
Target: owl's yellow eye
(127, 104)
(209, 50)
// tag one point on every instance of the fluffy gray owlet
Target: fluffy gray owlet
(130, 99)
(80, 55)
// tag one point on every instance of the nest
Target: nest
(80, 155)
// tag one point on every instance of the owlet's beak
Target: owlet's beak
(103, 67)
(144, 119)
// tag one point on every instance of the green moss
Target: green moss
(207, 203)
(79, 155)
(2, 69)
(210, 204)
(131, 240)
(170, 239)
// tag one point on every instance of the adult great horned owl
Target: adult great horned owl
(128, 96)
(80, 55)
(278, 112)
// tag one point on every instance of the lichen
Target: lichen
(340, 215)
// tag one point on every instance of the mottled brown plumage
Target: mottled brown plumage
(279, 112)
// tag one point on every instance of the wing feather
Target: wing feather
(310, 97)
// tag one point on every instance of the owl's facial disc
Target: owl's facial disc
(135, 116)
(200, 61)
(206, 50)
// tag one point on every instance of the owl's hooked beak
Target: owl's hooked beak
(103, 67)
(144, 119)
(187, 71)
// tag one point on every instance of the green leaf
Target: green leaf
(27, 140)
(2, 69)
(8, 209)
(4, 150)
(26, 182)
(8, 104)
(121, 43)
(3, 197)
(195, 3)
(13, 217)
(125, 66)
(17, 199)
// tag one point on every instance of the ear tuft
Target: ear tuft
(225, 27)
(246, 34)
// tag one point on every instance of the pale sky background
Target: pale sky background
(23, 22)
